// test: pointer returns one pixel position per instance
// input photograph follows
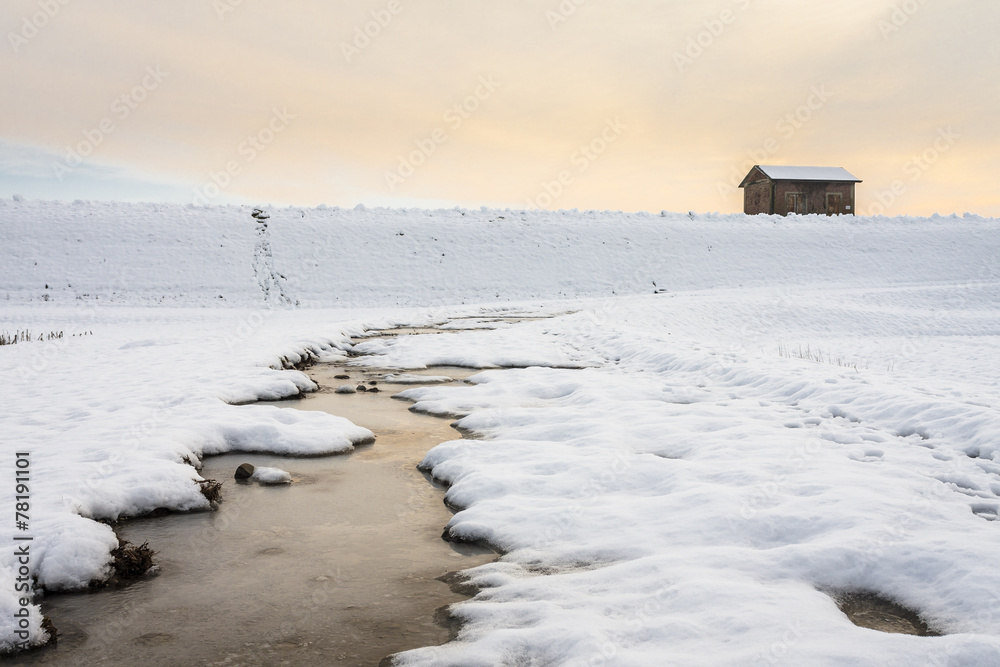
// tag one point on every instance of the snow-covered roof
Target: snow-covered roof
(779, 173)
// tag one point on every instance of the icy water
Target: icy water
(339, 568)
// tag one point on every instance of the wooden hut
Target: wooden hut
(801, 190)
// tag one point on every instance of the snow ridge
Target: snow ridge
(145, 254)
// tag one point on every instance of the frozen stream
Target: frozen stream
(340, 567)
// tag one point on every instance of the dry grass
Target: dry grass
(51, 629)
(27, 337)
(819, 357)
(212, 490)
(130, 561)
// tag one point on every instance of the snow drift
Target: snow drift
(728, 414)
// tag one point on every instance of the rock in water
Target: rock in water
(245, 471)
(345, 389)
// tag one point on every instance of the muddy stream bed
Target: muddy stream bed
(341, 567)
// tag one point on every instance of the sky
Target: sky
(560, 104)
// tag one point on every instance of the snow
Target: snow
(636, 501)
(113, 420)
(133, 254)
(413, 378)
(678, 478)
(474, 349)
(266, 475)
(784, 173)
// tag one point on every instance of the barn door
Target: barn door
(833, 203)
(796, 202)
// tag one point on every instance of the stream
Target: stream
(341, 567)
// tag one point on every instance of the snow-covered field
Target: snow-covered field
(808, 406)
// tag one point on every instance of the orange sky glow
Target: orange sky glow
(552, 104)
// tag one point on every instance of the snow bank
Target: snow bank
(696, 495)
(663, 508)
(413, 378)
(114, 420)
(176, 255)
(478, 349)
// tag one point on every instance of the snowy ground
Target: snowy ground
(687, 502)
(670, 480)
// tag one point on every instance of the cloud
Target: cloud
(27, 161)
(29, 170)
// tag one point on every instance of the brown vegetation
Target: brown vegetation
(130, 561)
